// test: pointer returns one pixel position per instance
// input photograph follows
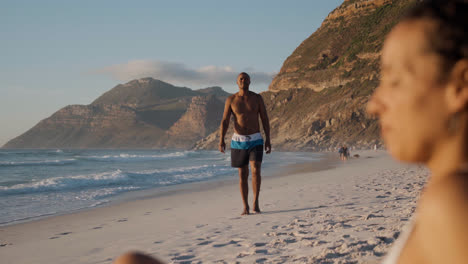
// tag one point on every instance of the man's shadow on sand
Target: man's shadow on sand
(294, 210)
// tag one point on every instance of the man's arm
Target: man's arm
(225, 124)
(265, 124)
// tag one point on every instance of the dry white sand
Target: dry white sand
(348, 214)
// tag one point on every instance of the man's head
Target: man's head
(243, 81)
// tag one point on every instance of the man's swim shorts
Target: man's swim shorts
(246, 148)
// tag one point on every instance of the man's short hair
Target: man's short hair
(243, 73)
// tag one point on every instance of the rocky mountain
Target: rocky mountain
(201, 118)
(144, 113)
(317, 101)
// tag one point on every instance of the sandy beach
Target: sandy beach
(350, 213)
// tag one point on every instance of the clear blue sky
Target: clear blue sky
(57, 53)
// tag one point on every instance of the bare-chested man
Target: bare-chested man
(247, 141)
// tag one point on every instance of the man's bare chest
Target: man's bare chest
(244, 106)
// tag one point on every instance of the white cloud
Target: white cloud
(180, 74)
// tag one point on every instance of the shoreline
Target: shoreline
(205, 224)
(320, 164)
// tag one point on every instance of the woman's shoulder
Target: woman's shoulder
(445, 197)
(441, 218)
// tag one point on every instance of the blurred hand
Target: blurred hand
(268, 147)
(222, 146)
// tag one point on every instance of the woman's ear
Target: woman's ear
(457, 87)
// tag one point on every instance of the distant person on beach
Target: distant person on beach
(345, 153)
(247, 142)
(422, 105)
(341, 152)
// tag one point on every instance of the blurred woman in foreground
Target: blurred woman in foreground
(422, 105)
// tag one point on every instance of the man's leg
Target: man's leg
(244, 187)
(256, 182)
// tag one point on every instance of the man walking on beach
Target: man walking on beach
(247, 141)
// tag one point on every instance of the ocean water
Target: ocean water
(37, 183)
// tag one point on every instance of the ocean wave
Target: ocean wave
(182, 170)
(127, 156)
(56, 162)
(53, 203)
(67, 183)
(165, 177)
(118, 179)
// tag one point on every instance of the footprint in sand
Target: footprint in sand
(241, 255)
(282, 242)
(94, 250)
(300, 233)
(204, 243)
(386, 240)
(232, 242)
(320, 242)
(369, 216)
(61, 234)
(273, 234)
(261, 251)
(122, 220)
(308, 238)
(291, 240)
(183, 257)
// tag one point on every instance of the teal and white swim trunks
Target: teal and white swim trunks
(245, 148)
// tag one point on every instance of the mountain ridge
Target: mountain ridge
(137, 114)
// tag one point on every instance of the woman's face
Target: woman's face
(410, 100)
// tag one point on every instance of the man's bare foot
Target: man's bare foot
(246, 211)
(257, 210)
